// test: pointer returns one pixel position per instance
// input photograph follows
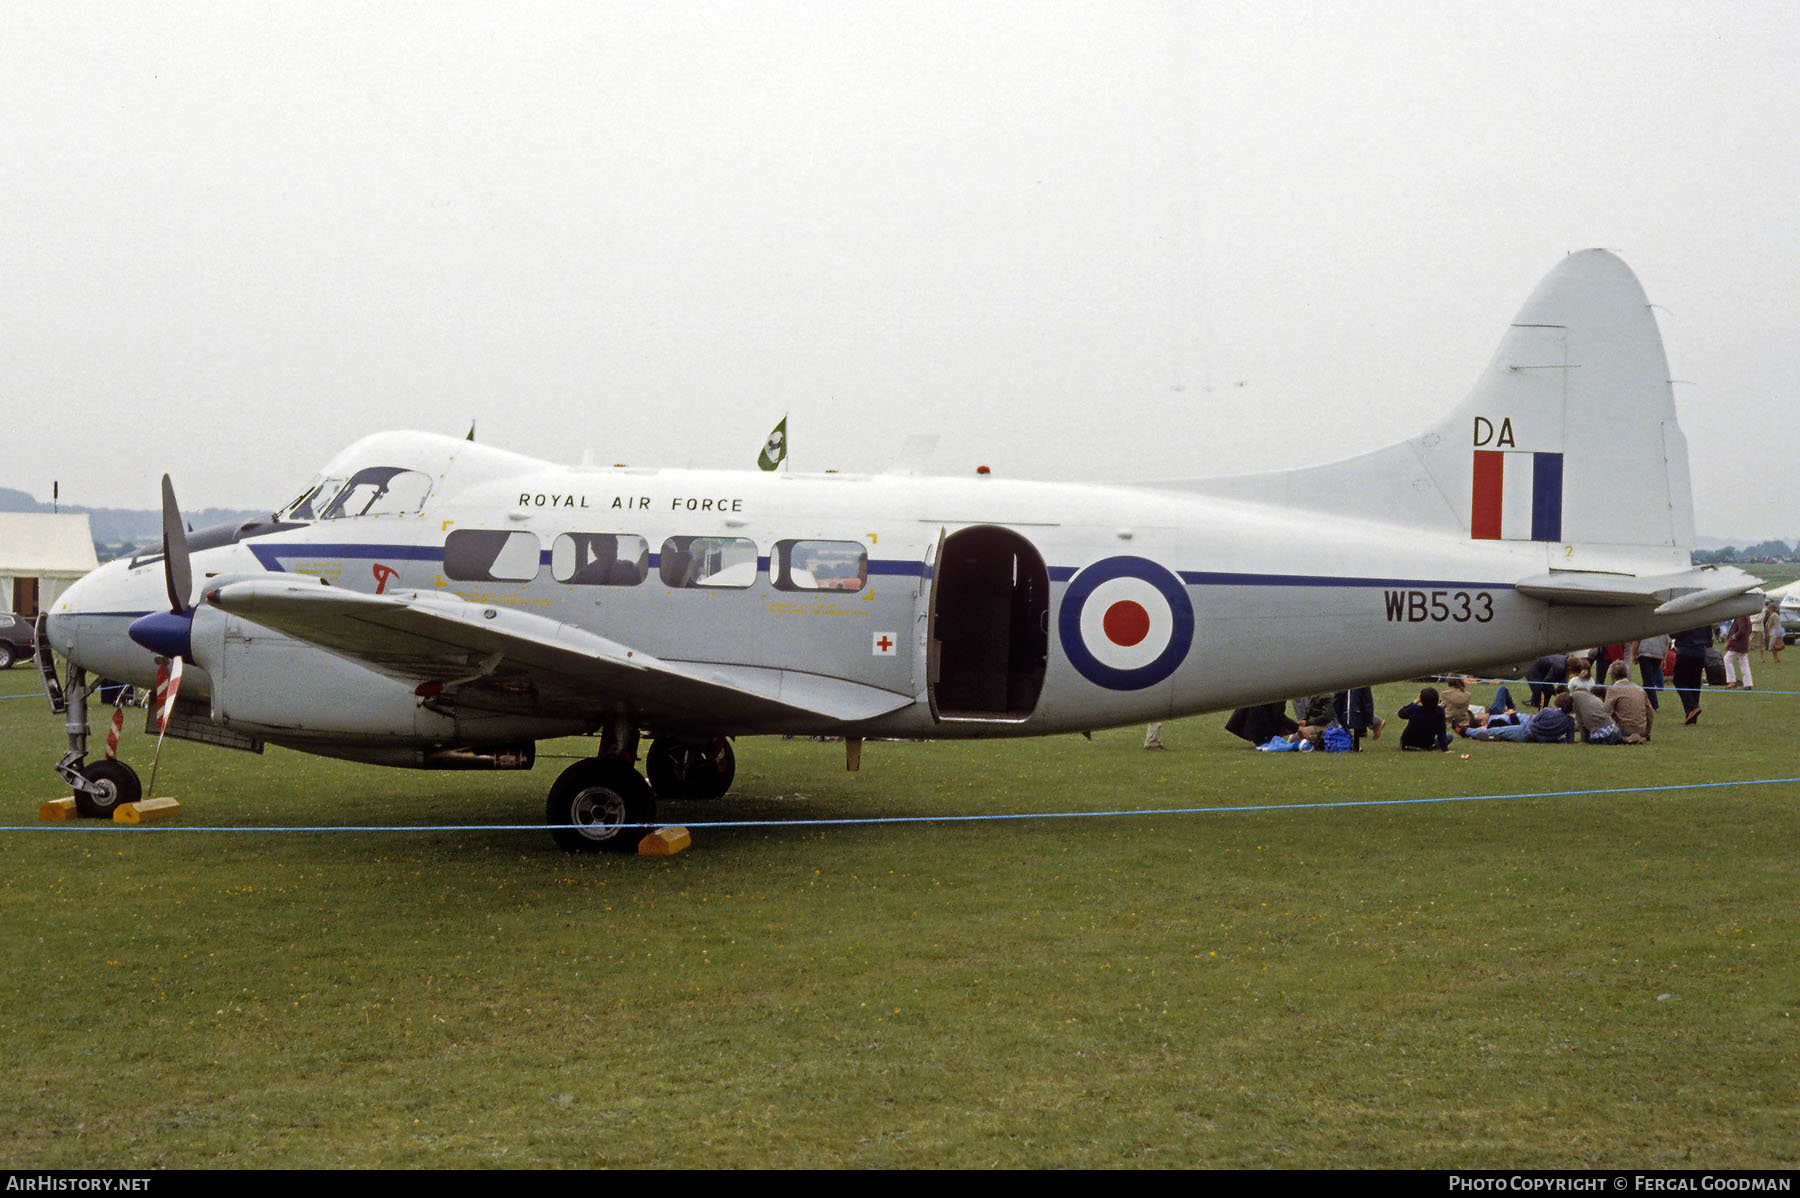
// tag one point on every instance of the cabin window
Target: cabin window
(587, 559)
(708, 562)
(819, 566)
(380, 491)
(490, 555)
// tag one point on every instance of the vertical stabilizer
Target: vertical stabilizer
(1569, 439)
(1568, 443)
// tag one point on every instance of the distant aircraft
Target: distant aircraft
(443, 604)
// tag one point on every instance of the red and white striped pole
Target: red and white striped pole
(168, 682)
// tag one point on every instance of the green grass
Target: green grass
(1602, 980)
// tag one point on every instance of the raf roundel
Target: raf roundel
(1126, 623)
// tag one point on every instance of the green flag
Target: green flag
(471, 435)
(774, 450)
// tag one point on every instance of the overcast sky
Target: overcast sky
(1106, 240)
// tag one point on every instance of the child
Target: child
(1425, 728)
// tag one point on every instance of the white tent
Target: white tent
(40, 555)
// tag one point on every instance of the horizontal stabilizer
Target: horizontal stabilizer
(1670, 594)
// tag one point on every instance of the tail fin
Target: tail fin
(1568, 440)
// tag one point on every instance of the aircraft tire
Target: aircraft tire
(689, 769)
(724, 769)
(118, 785)
(593, 800)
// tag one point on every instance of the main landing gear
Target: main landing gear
(601, 804)
(691, 769)
(604, 805)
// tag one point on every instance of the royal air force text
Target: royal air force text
(1438, 607)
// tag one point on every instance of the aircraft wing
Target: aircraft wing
(1669, 594)
(498, 659)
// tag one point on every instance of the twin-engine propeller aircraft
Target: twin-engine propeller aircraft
(436, 603)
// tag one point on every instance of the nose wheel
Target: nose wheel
(114, 784)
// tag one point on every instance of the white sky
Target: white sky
(1105, 240)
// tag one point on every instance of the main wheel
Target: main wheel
(116, 783)
(691, 769)
(600, 804)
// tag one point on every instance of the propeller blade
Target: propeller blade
(176, 571)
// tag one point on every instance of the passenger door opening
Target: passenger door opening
(989, 636)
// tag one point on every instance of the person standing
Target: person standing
(1355, 710)
(1690, 668)
(1737, 655)
(1650, 653)
(1774, 634)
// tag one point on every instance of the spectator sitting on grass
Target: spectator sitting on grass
(1589, 709)
(1425, 728)
(1456, 702)
(1552, 725)
(1628, 705)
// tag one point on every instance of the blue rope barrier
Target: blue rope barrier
(919, 819)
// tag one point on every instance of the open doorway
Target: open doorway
(990, 626)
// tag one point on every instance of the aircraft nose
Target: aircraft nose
(60, 622)
(87, 624)
(57, 632)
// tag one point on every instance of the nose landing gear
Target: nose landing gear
(100, 787)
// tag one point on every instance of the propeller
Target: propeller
(176, 571)
(170, 634)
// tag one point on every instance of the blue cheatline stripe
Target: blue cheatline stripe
(1546, 496)
(1225, 579)
(271, 556)
(99, 825)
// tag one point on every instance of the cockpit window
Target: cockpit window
(380, 491)
(307, 504)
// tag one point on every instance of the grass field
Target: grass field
(1575, 980)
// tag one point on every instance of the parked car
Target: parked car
(15, 639)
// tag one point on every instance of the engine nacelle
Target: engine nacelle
(283, 689)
